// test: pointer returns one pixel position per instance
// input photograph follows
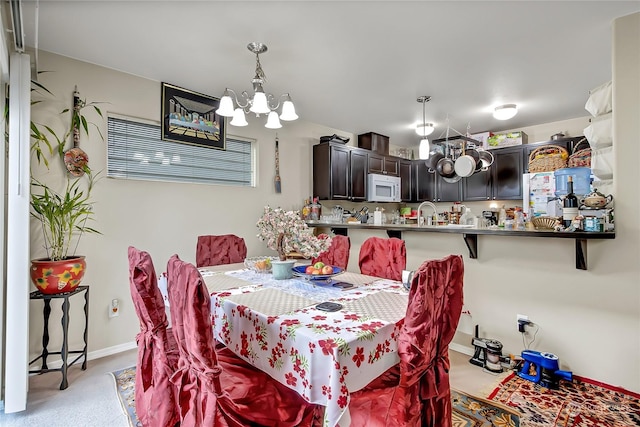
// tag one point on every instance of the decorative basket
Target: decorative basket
(548, 158)
(580, 158)
(544, 222)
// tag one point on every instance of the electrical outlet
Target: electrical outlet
(114, 308)
(522, 320)
(522, 317)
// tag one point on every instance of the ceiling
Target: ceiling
(357, 66)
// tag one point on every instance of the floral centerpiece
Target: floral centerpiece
(284, 232)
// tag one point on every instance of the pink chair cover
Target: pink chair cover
(384, 258)
(217, 388)
(155, 395)
(423, 395)
(338, 252)
(218, 250)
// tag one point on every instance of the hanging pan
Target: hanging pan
(465, 165)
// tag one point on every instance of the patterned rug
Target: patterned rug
(125, 380)
(467, 411)
(581, 403)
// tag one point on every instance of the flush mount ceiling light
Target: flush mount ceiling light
(424, 129)
(259, 102)
(505, 112)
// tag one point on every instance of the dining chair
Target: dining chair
(338, 252)
(155, 395)
(220, 249)
(416, 392)
(384, 258)
(216, 387)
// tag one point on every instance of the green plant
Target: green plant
(63, 216)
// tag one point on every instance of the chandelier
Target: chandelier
(259, 102)
(424, 129)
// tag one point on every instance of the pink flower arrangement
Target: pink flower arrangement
(284, 232)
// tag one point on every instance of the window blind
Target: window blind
(136, 151)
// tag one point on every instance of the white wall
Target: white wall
(589, 318)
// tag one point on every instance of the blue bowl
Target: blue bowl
(300, 272)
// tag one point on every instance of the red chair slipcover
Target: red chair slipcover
(422, 396)
(384, 258)
(216, 387)
(218, 250)
(155, 395)
(338, 252)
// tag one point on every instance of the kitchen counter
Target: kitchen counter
(470, 234)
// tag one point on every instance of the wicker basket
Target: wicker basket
(580, 158)
(544, 222)
(548, 158)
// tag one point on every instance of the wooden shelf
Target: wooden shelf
(470, 235)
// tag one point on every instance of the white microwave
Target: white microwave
(383, 188)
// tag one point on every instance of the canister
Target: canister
(591, 223)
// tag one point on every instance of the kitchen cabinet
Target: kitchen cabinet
(339, 172)
(432, 187)
(384, 165)
(375, 142)
(502, 181)
(405, 169)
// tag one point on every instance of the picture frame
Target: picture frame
(189, 117)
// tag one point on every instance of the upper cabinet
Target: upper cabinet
(384, 165)
(406, 180)
(432, 187)
(339, 172)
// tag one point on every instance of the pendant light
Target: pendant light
(424, 129)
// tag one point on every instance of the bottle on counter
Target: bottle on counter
(569, 205)
(502, 216)
(519, 219)
(316, 209)
(306, 210)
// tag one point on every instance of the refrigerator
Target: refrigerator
(539, 197)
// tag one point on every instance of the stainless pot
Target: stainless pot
(446, 167)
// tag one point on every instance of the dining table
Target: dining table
(325, 356)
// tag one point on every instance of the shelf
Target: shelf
(470, 235)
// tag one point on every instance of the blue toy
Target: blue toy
(542, 368)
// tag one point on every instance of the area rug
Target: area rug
(581, 403)
(467, 411)
(125, 380)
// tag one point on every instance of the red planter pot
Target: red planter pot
(56, 277)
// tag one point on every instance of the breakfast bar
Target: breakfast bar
(470, 235)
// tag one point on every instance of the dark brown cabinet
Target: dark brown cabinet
(384, 165)
(406, 180)
(432, 187)
(375, 142)
(339, 172)
(502, 181)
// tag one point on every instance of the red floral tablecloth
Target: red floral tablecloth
(324, 356)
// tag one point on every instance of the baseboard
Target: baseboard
(461, 348)
(92, 355)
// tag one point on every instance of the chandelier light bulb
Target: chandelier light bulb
(238, 118)
(423, 150)
(505, 112)
(259, 105)
(226, 105)
(288, 111)
(273, 122)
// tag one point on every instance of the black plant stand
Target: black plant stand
(64, 352)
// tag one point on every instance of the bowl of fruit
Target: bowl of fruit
(317, 271)
(259, 264)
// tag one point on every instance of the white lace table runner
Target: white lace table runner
(387, 306)
(222, 282)
(271, 302)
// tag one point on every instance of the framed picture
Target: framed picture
(190, 118)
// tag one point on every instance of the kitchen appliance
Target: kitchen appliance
(539, 195)
(383, 188)
(543, 368)
(488, 353)
(490, 217)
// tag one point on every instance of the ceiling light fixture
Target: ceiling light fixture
(424, 129)
(505, 112)
(259, 102)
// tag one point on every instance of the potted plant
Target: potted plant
(285, 232)
(64, 216)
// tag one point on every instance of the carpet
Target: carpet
(125, 381)
(581, 403)
(467, 411)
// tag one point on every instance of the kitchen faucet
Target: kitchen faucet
(435, 213)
